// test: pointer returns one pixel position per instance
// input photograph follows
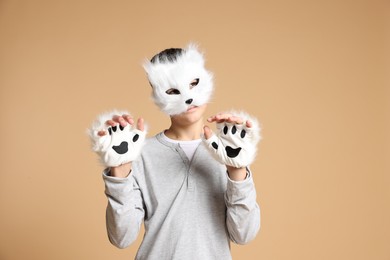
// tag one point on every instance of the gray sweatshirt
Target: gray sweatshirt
(190, 209)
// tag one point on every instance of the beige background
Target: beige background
(316, 73)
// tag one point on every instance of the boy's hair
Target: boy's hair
(167, 55)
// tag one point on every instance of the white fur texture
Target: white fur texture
(104, 145)
(236, 139)
(179, 75)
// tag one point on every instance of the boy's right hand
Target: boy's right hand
(115, 138)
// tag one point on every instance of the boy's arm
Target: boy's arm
(118, 142)
(243, 212)
(125, 212)
(234, 145)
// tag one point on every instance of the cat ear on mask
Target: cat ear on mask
(192, 54)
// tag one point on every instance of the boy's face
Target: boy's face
(180, 86)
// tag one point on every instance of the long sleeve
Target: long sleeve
(124, 213)
(243, 212)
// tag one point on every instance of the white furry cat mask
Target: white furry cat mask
(179, 79)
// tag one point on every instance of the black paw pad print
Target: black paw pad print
(123, 147)
(230, 151)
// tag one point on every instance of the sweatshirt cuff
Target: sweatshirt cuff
(248, 175)
(108, 178)
(237, 190)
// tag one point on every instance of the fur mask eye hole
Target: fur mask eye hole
(194, 83)
(173, 91)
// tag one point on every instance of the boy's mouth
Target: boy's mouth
(191, 108)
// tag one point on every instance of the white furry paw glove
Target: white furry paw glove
(234, 144)
(119, 144)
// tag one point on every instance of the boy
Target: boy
(194, 194)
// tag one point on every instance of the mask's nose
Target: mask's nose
(189, 101)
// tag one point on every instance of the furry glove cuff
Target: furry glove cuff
(235, 144)
(119, 145)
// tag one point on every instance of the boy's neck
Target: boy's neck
(185, 132)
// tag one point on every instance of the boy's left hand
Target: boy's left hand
(235, 142)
